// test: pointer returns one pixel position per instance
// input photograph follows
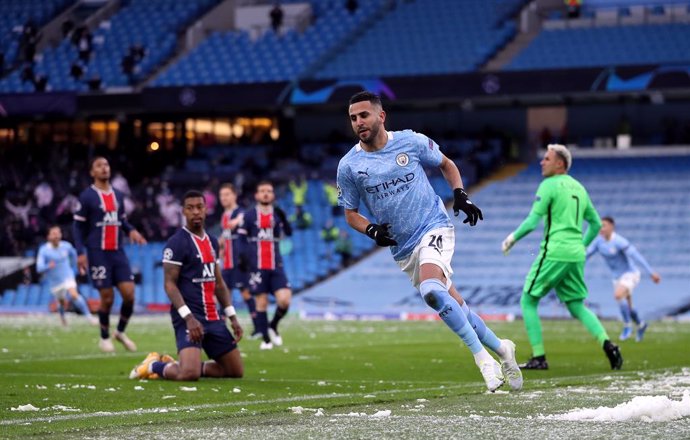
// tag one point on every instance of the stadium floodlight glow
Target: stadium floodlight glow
(274, 133)
(154, 146)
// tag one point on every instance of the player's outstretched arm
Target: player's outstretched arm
(136, 237)
(635, 255)
(79, 229)
(41, 261)
(223, 294)
(461, 202)
(171, 272)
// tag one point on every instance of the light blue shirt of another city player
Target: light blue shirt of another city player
(620, 256)
(392, 184)
(65, 258)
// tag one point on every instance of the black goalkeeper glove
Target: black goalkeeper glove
(283, 219)
(462, 203)
(381, 234)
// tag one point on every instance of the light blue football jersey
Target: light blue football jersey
(65, 258)
(620, 256)
(392, 184)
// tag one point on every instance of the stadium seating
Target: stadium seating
(647, 196)
(155, 24)
(664, 240)
(16, 13)
(606, 46)
(232, 57)
(306, 263)
(425, 37)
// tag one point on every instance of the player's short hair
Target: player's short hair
(366, 96)
(94, 159)
(51, 227)
(193, 194)
(262, 183)
(229, 186)
(563, 153)
(609, 219)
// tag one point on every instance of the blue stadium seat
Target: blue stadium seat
(605, 46)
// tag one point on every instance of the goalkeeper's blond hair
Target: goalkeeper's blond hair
(562, 152)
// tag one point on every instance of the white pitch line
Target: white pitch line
(58, 418)
(76, 357)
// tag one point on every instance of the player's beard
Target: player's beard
(373, 133)
(196, 225)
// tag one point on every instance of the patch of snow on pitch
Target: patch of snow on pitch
(641, 408)
(384, 413)
(27, 407)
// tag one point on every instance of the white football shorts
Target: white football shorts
(436, 247)
(60, 291)
(629, 280)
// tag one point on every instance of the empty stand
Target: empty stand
(606, 46)
(426, 37)
(232, 57)
(155, 24)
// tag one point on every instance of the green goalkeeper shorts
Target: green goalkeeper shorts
(568, 278)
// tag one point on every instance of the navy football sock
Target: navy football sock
(104, 319)
(126, 311)
(262, 325)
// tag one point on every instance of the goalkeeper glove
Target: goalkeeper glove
(508, 243)
(381, 234)
(462, 203)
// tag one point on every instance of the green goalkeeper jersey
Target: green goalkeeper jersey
(563, 203)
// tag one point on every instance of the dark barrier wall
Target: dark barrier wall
(64, 104)
(449, 88)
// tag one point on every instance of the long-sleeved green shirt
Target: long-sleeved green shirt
(563, 203)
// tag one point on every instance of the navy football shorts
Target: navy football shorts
(217, 340)
(108, 268)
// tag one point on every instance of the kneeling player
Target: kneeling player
(193, 281)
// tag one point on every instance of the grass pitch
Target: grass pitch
(332, 380)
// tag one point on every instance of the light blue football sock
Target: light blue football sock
(436, 295)
(635, 317)
(80, 306)
(625, 311)
(484, 333)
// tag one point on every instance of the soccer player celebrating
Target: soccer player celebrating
(564, 203)
(99, 224)
(233, 276)
(193, 282)
(260, 233)
(57, 259)
(621, 256)
(385, 172)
